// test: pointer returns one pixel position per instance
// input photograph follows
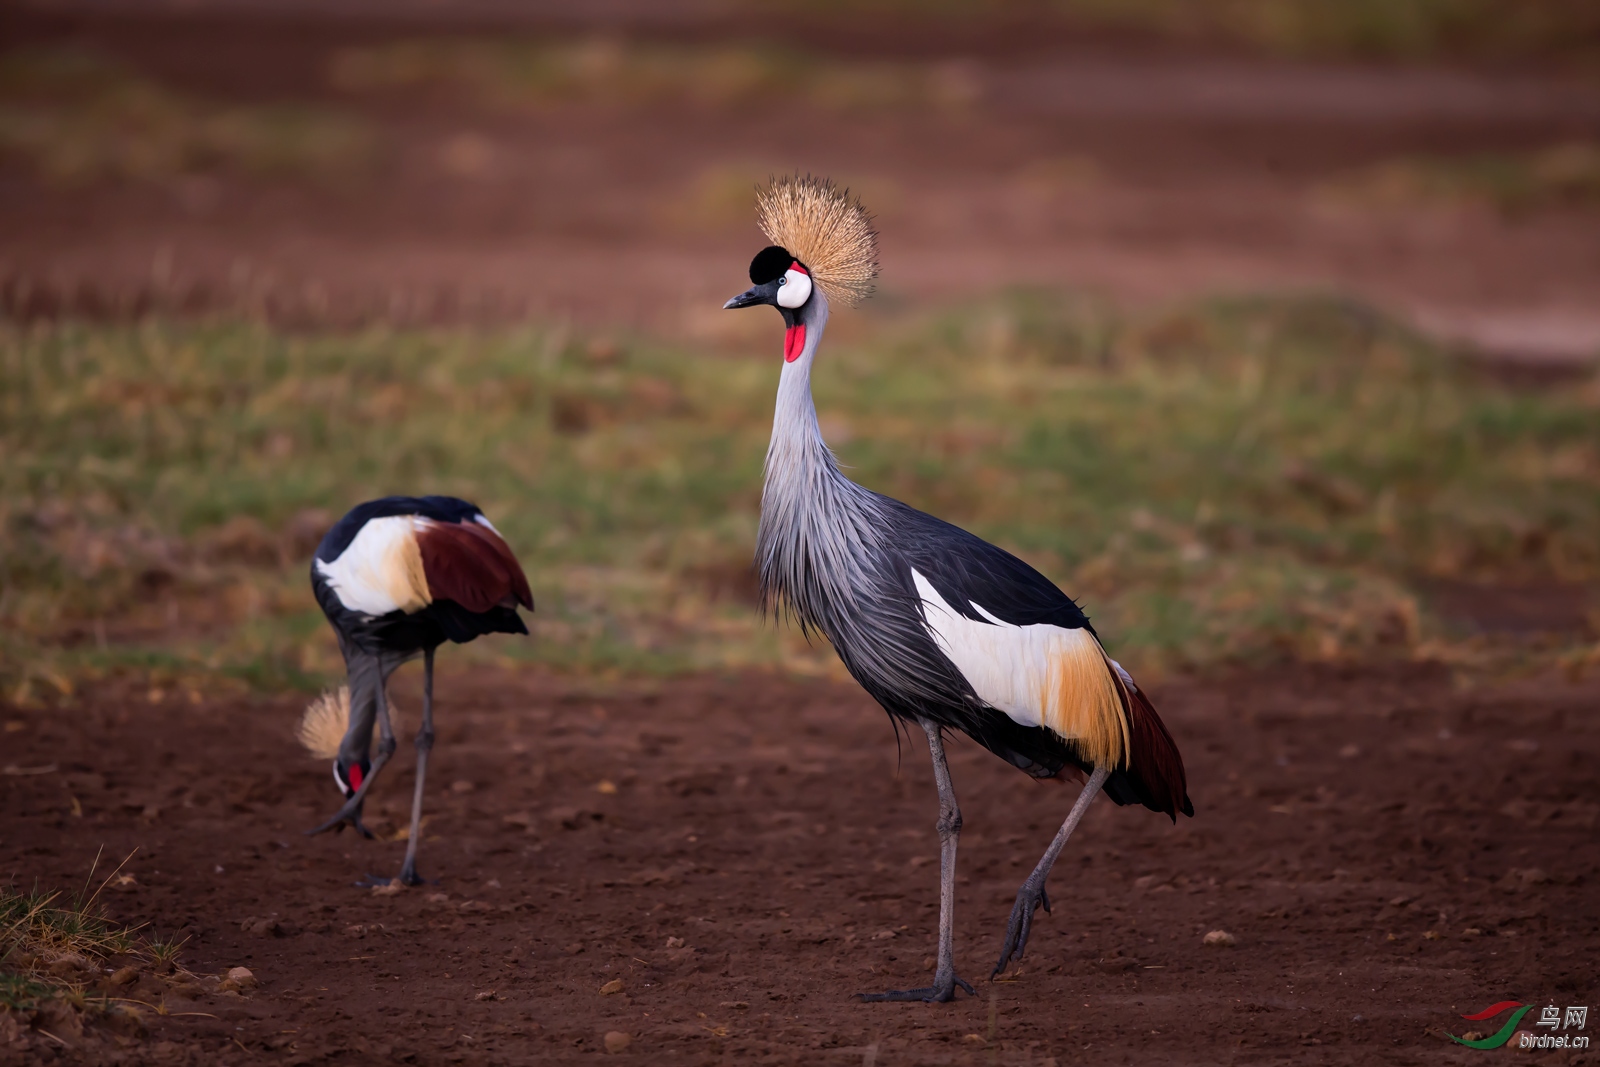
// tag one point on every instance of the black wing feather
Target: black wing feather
(967, 569)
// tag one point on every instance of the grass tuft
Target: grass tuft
(66, 956)
(163, 955)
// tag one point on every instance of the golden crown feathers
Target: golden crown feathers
(825, 228)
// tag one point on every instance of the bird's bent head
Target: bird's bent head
(348, 776)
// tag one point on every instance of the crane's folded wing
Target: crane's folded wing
(469, 563)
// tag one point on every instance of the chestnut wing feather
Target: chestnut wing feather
(1155, 769)
(468, 563)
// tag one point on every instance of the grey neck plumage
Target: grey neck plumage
(832, 554)
(820, 532)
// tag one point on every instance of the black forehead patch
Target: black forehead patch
(769, 264)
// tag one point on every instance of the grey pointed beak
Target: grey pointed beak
(748, 299)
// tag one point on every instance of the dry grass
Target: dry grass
(63, 957)
(1227, 482)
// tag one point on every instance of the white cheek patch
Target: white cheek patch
(795, 290)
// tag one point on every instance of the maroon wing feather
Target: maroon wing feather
(468, 563)
(1154, 764)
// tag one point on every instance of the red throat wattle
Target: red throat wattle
(354, 774)
(794, 342)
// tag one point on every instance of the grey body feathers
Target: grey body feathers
(837, 557)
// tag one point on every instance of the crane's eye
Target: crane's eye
(794, 289)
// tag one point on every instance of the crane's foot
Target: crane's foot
(340, 821)
(350, 815)
(408, 877)
(939, 993)
(1030, 898)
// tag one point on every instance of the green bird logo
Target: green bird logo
(1499, 1038)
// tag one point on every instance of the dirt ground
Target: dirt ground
(1389, 849)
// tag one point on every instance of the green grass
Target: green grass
(54, 950)
(1241, 481)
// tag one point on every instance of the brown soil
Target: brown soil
(1389, 849)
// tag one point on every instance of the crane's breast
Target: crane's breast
(381, 570)
(1038, 675)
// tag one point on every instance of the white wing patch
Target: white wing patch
(1039, 675)
(381, 569)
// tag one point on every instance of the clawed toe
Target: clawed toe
(409, 879)
(345, 816)
(934, 994)
(1020, 926)
(338, 824)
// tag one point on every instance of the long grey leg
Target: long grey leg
(408, 870)
(949, 827)
(1032, 894)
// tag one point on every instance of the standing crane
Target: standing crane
(399, 577)
(943, 629)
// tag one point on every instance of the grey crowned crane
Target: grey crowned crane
(397, 578)
(943, 629)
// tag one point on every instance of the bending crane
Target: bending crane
(397, 578)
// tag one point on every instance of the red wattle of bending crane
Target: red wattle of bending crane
(945, 630)
(397, 578)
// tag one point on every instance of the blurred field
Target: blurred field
(1514, 184)
(1226, 482)
(76, 117)
(1409, 30)
(530, 72)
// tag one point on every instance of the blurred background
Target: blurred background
(1267, 328)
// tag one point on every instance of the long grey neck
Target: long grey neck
(797, 456)
(817, 526)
